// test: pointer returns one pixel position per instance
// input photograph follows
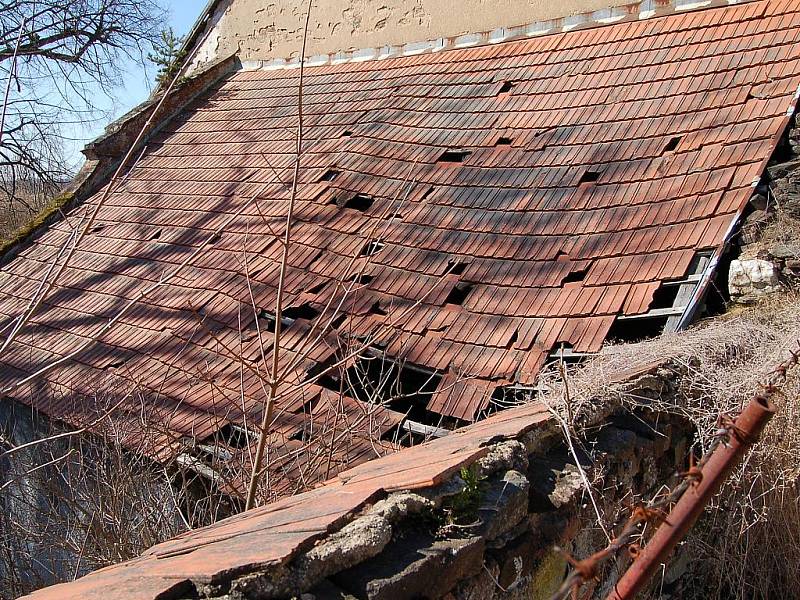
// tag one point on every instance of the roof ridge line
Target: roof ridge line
(634, 12)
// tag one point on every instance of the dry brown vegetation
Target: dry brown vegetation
(747, 545)
(19, 210)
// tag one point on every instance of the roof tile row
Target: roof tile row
(465, 211)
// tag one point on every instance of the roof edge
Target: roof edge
(103, 155)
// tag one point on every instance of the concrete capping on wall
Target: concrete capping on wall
(104, 154)
(646, 9)
(387, 526)
(120, 134)
(528, 497)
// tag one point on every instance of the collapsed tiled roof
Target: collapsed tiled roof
(481, 207)
(280, 532)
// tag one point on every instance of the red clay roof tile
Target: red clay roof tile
(588, 174)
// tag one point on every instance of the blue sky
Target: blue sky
(138, 80)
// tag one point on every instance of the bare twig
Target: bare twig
(273, 387)
(11, 77)
(110, 188)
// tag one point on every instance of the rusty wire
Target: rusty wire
(656, 511)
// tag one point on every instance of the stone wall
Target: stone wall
(490, 532)
(769, 253)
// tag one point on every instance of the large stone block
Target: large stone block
(751, 279)
(416, 565)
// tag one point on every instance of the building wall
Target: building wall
(72, 504)
(26, 502)
(264, 29)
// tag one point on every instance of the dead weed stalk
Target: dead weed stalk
(747, 545)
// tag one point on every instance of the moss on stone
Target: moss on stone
(37, 221)
(547, 576)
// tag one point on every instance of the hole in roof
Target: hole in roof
(311, 404)
(459, 293)
(399, 436)
(330, 175)
(672, 144)
(589, 176)
(427, 193)
(215, 238)
(635, 330)
(454, 156)
(360, 202)
(207, 455)
(455, 267)
(303, 435)
(314, 260)
(372, 247)
(575, 276)
(410, 433)
(327, 379)
(565, 353)
(267, 320)
(514, 338)
(378, 379)
(507, 87)
(665, 297)
(97, 229)
(156, 235)
(376, 309)
(318, 288)
(234, 436)
(347, 133)
(337, 322)
(509, 396)
(503, 141)
(304, 311)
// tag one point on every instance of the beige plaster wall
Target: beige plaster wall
(266, 29)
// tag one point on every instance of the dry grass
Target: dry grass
(782, 228)
(747, 545)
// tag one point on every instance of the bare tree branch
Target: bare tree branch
(276, 344)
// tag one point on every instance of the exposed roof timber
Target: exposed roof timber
(424, 430)
(689, 279)
(569, 353)
(671, 311)
(687, 291)
(198, 466)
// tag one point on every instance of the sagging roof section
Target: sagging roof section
(279, 533)
(475, 226)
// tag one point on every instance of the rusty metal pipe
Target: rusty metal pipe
(744, 433)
